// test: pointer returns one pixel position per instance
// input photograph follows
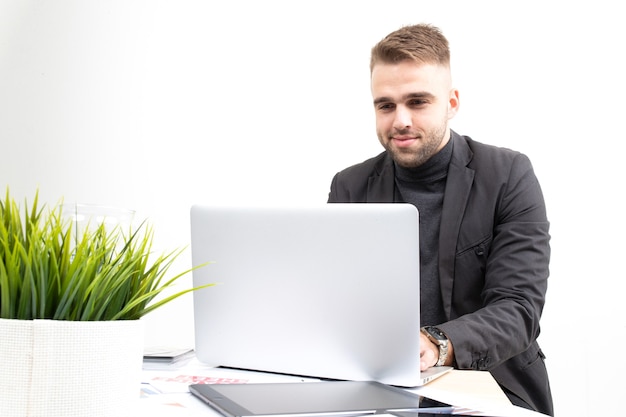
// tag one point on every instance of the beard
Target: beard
(429, 143)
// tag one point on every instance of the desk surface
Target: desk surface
(165, 393)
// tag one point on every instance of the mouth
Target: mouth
(403, 141)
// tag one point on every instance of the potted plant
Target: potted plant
(71, 339)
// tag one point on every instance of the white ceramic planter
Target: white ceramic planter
(69, 368)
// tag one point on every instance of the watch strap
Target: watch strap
(440, 339)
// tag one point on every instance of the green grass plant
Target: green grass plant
(48, 271)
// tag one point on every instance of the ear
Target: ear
(453, 103)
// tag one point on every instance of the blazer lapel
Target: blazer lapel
(381, 186)
(459, 183)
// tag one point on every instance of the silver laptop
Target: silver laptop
(328, 291)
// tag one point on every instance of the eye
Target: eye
(385, 107)
(417, 102)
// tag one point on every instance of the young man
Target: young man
(484, 234)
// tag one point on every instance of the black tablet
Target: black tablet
(309, 398)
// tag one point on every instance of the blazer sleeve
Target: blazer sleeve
(500, 267)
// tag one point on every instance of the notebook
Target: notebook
(326, 291)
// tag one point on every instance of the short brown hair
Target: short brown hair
(420, 43)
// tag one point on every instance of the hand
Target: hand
(429, 353)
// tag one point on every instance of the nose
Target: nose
(402, 118)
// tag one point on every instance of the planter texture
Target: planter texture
(69, 368)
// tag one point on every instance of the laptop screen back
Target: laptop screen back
(326, 291)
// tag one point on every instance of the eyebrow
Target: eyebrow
(421, 94)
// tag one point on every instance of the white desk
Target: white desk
(165, 391)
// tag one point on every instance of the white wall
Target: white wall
(155, 105)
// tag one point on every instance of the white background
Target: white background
(156, 105)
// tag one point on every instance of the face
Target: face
(413, 104)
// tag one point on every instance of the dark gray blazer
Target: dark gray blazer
(493, 259)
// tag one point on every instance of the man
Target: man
(484, 234)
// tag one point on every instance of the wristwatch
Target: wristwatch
(440, 339)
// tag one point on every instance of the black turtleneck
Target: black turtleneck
(424, 187)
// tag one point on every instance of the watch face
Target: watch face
(436, 333)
